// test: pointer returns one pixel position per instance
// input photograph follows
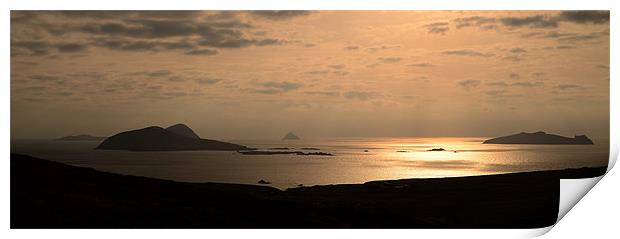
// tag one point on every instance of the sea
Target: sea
(354, 160)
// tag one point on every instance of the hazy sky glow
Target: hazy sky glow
(248, 75)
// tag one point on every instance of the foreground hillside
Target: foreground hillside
(46, 194)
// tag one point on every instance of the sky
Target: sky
(320, 74)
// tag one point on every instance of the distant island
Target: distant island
(539, 137)
(81, 137)
(290, 136)
(175, 138)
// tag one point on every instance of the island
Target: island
(316, 153)
(260, 152)
(539, 137)
(81, 137)
(290, 136)
(47, 194)
(183, 130)
(156, 138)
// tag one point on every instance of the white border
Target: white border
(315, 5)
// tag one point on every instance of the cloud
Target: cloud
(478, 21)
(437, 27)
(518, 50)
(537, 21)
(279, 15)
(45, 78)
(153, 46)
(268, 91)
(468, 84)
(588, 37)
(139, 31)
(582, 17)
(514, 58)
(382, 48)
(64, 94)
(361, 95)
(466, 52)
(522, 84)
(202, 52)
(70, 47)
(277, 87)
(497, 83)
(514, 76)
(389, 60)
(41, 48)
(159, 73)
(552, 21)
(421, 65)
(565, 47)
(209, 81)
(317, 72)
(342, 73)
(165, 28)
(438, 30)
(323, 93)
(237, 42)
(33, 88)
(568, 87)
(495, 92)
(526, 84)
(107, 14)
(604, 67)
(176, 79)
(128, 45)
(337, 66)
(351, 48)
(568, 37)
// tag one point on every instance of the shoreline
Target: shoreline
(47, 194)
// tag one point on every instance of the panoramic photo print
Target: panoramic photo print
(304, 119)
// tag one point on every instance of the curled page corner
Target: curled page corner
(537, 232)
(573, 190)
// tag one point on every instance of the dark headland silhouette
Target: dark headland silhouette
(63, 196)
(81, 137)
(156, 138)
(539, 137)
(290, 136)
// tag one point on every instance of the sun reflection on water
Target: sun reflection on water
(356, 160)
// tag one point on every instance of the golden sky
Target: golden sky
(260, 74)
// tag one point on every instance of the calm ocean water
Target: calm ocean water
(387, 158)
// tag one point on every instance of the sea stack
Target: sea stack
(156, 138)
(290, 136)
(539, 137)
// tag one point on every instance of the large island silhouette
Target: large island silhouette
(175, 138)
(539, 137)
